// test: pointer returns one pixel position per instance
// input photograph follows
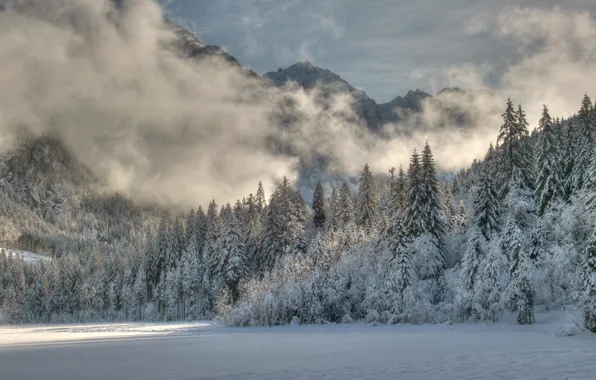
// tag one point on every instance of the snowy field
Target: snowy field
(28, 257)
(187, 351)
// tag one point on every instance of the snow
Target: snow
(202, 350)
(29, 257)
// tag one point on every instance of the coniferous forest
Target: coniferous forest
(514, 232)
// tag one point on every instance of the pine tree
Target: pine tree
(174, 245)
(345, 207)
(234, 255)
(368, 202)
(549, 186)
(260, 201)
(332, 221)
(486, 206)
(515, 156)
(190, 226)
(318, 206)
(525, 302)
(489, 291)
(400, 254)
(433, 213)
(589, 284)
(472, 260)
(191, 275)
(584, 130)
(415, 212)
(211, 254)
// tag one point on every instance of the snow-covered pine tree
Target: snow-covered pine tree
(415, 208)
(525, 165)
(332, 206)
(275, 233)
(525, 302)
(432, 205)
(589, 284)
(584, 130)
(318, 206)
(487, 299)
(472, 259)
(400, 251)
(201, 230)
(174, 246)
(515, 162)
(368, 202)
(211, 253)
(486, 206)
(191, 275)
(189, 227)
(234, 255)
(549, 185)
(260, 200)
(345, 207)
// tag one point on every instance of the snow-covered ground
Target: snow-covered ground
(356, 351)
(29, 257)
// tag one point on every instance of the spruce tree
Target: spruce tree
(515, 154)
(472, 260)
(486, 206)
(583, 144)
(433, 213)
(318, 206)
(549, 186)
(260, 201)
(589, 284)
(234, 255)
(415, 209)
(401, 260)
(525, 301)
(368, 203)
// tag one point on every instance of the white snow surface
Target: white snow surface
(203, 350)
(28, 257)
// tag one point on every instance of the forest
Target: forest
(514, 232)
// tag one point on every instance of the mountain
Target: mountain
(308, 76)
(189, 45)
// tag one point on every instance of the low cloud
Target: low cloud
(158, 127)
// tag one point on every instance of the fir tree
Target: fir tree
(549, 186)
(260, 201)
(583, 144)
(472, 260)
(368, 203)
(515, 157)
(234, 255)
(318, 206)
(525, 302)
(433, 213)
(589, 284)
(486, 206)
(400, 254)
(415, 212)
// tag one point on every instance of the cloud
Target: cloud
(162, 128)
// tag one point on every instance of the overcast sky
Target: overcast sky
(384, 47)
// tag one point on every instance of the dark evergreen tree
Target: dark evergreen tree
(368, 202)
(472, 260)
(434, 222)
(486, 206)
(400, 254)
(549, 186)
(235, 265)
(525, 302)
(318, 206)
(260, 201)
(583, 147)
(589, 285)
(415, 211)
